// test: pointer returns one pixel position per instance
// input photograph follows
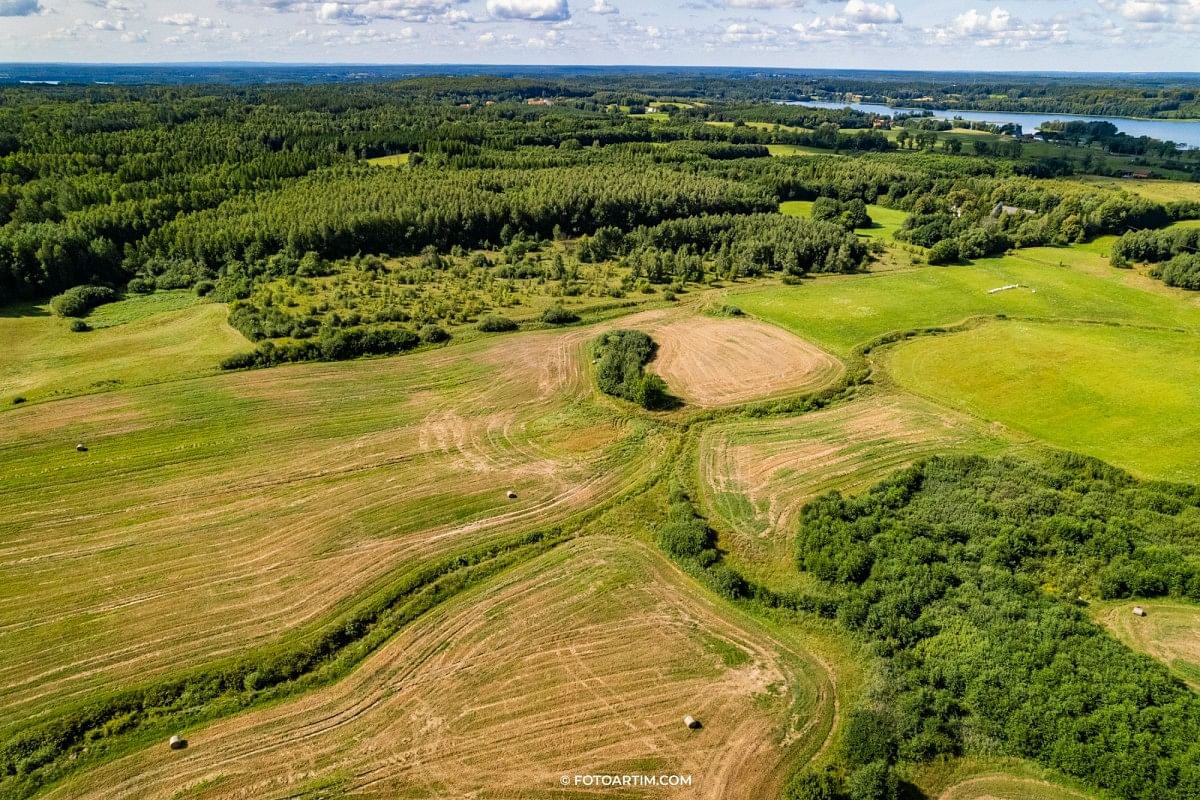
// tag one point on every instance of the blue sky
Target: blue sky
(1100, 35)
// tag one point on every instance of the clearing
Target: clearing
(709, 361)
(1170, 632)
(583, 661)
(1125, 395)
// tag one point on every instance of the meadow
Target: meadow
(1095, 389)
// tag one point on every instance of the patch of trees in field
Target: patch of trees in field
(1174, 252)
(963, 574)
(621, 358)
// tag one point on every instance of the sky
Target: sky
(1083, 35)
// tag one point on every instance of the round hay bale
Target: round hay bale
(512, 495)
(691, 722)
(81, 447)
(1139, 611)
(177, 742)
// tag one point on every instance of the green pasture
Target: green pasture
(1128, 396)
(840, 312)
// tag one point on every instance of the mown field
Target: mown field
(582, 661)
(143, 339)
(214, 513)
(1170, 632)
(757, 475)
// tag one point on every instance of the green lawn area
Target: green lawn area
(785, 150)
(886, 220)
(396, 160)
(143, 339)
(839, 312)
(1160, 191)
(1128, 396)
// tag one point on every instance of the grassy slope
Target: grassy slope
(1170, 632)
(842, 311)
(145, 339)
(1128, 396)
(216, 513)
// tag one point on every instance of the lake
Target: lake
(1181, 131)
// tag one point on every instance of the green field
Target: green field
(1064, 283)
(885, 221)
(144, 339)
(1128, 396)
(397, 160)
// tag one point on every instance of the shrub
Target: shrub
(141, 285)
(494, 323)
(205, 288)
(557, 315)
(79, 326)
(79, 300)
(239, 361)
(812, 785)
(944, 252)
(432, 334)
(16, 401)
(874, 781)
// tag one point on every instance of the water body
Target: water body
(1181, 131)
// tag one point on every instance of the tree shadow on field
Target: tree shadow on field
(22, 309)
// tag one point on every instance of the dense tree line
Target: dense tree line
(944, 569)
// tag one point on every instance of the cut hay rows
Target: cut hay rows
(214, 514)
(714, 362)
(757, 475)
(582, 661)
(1169, 632)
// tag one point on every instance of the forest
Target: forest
(943, 568)
(148, 187)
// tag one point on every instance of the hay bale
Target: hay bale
(1138, 611)
(177, 742)
(691, 722)
(81, 448)
(512, 495)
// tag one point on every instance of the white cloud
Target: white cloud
(540, 10)
(19, 8)
(189, 21)
(603, 7)
(108, 25)
(999, 28)
(748, 33)
(872, 13)
(134, 37)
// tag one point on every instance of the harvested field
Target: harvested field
(715, 362)
(583, 661)
(757, 475)
(215, 514)
(1170, 632)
